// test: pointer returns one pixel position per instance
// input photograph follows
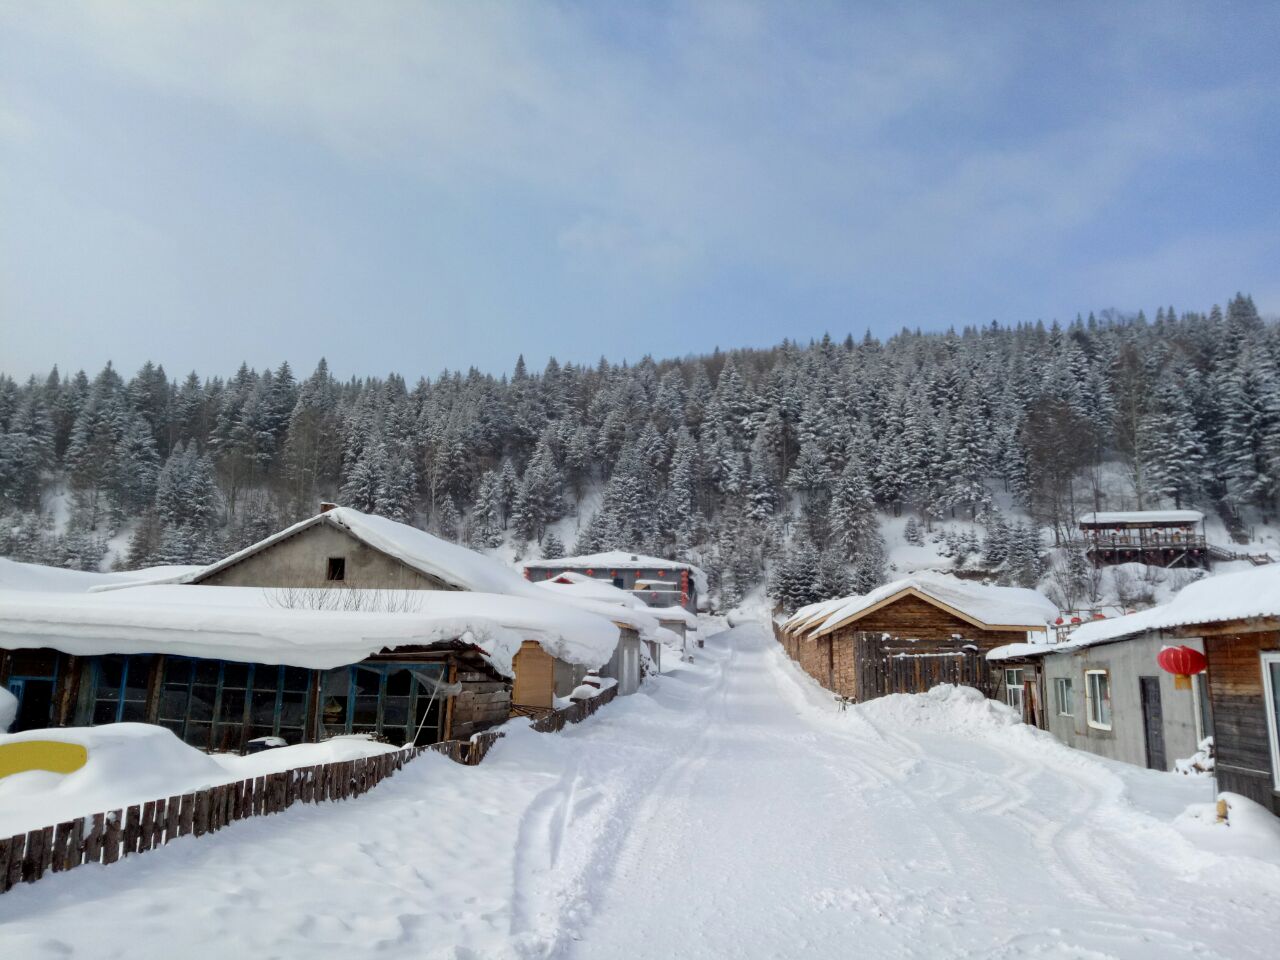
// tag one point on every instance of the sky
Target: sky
(417, 186)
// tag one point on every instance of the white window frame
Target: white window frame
(1058, 683)
(1020, 706)
(1269, 657)
(1089, 699)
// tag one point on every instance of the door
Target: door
(1013, 690)
(35, 703)
(1153, 722)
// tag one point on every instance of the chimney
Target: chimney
(326, 506)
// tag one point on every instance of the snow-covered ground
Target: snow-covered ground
(728, 810)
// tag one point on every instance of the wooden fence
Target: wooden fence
(107, 837)
(886, 665)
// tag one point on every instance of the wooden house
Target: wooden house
(909, 635)
(343, 623)
(1162, 538)
(658, 582)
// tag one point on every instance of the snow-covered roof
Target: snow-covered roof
(1142, 516)
(41, 579)
(455, 565)
(621, 560)
(621, 606)
(252, 624)
(812, 614)
(994, 608)
(1232, 596)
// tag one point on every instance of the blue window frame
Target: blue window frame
(221, 705)
(390, 700)
(120, 689)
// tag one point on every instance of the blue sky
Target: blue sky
(417, 186)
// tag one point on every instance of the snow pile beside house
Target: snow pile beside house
(1250, 828)
(130, 763)
(256, 625)
(946, 708)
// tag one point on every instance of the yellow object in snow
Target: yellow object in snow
(52, 755)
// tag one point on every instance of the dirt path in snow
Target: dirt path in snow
(728, 810)
(789, 829)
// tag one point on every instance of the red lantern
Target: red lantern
(1183, 663)
(1058, 622)
(590, 572)
(1075, 619)
(1099, 616)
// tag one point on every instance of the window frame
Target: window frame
(1058, 684)
(128, 660)
(245, 722)
(379, 725)
(1272, 711)
(1020, 706)
(1090, 700)
(336, 565)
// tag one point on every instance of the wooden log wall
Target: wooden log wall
(109, 836)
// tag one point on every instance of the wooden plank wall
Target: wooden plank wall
(1242, 748)
(107, 837)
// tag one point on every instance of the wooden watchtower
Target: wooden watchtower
(1161, 538)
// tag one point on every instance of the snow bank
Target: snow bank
(1250, 828)
(251, 624)
(128, 763)
(133, 763)
(946, 708)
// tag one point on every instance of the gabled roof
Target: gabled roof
(985, 607)
(454, 565)
(621, 560)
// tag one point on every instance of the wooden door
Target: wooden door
(1153, 722)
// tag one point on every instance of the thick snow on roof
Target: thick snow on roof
(620, 606)
(814, 613)
(455, 565)
(1143, 516)
(621, 560)
(41, 579)
(253, 625)
(1232, 596)
(1086, 635)
(993, 606)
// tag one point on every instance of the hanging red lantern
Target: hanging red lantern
(1058, 622)
(1183, 663)
(1075, 619)
(590, 572)
(1099, 616)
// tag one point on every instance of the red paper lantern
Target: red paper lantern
(1099, 616)
(1075, 619)
(1183, 663)
(590, 572)
(1058, 622)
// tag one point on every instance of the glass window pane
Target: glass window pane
(206, 671)
(197, 735)
(263, 708)
(366, 711)
(133, 712)
(399, 683)
(137, 679)
(227, 737)
(231, 706)
(235, 675)
(173, 703)
(110, 677)
(33, 663)
(297, 678)
(201, 705)
(104, 711)
(266, 677)
(177, 672)
(293, 709)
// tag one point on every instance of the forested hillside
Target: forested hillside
(781, 456)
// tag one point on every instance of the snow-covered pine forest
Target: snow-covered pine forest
(774, 463)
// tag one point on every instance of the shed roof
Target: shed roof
(986, 607)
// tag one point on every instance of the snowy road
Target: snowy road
(729, 811)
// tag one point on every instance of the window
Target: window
(120, 690)
(391, 700)
(1098, 697)
(219, 706)
(1065, 695)
(1013, 691)
(33, 677)
(1271, 693)
(337, 569)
